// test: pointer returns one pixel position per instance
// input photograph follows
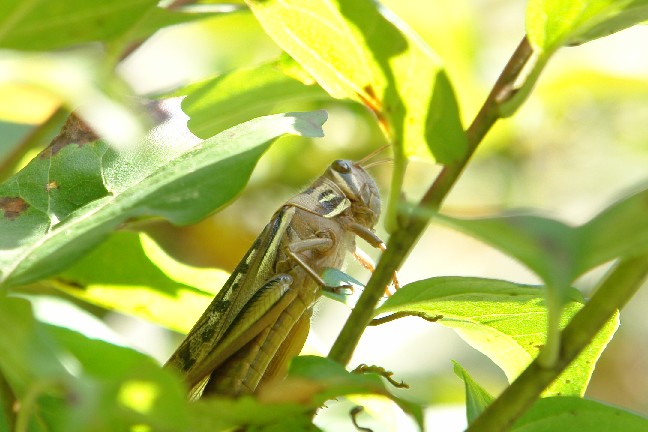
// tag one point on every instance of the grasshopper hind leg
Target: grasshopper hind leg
(250, 329)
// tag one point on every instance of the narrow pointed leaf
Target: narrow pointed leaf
(477, 398)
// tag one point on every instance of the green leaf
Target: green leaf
(505, 321)
(353, 51)
(559, 253)
(477, 398)
(551, 24)
(232, 98)
(179, 182)
(545, 246)
(116, 388)
(567, 414)
(47, 25)
(621, 230)
(554, 23)
(65, 381)
(157, 18)
(129, 273)
(16, 340)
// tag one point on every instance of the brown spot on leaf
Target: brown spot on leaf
(51, 185)
(74, 131)
(368, 96)
(13, 206)
(69, 283)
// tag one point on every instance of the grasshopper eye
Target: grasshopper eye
(341, 166)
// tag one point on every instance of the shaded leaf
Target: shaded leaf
(178, 182)
(129, 273)
(621, 230)
(477, 398)
(559, 253)
(16, 341)
(224, 414)
(505, 321)
(116, 388)
(232, 98)
(65, 381)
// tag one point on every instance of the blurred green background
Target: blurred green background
(578, 143)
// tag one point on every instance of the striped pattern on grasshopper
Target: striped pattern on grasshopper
(259, 320)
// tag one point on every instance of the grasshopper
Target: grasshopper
(259, 320)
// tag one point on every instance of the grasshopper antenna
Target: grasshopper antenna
(362, 161)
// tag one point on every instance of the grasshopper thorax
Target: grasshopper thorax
(359, 188)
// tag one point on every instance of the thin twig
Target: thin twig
(388, 375)
(403, 314)
(354, 414)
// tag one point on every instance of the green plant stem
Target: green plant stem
(555, 303)
(613, 293)
(404, 238)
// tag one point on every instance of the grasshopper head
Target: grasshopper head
(359, 187)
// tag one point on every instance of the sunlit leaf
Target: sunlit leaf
(75, 79)
(553, 23)
(178, 183)
(354, 51)
(567, 414)
(505, 321)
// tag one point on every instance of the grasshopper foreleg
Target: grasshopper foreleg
(318, 243)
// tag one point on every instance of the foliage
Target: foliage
(69, 214)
